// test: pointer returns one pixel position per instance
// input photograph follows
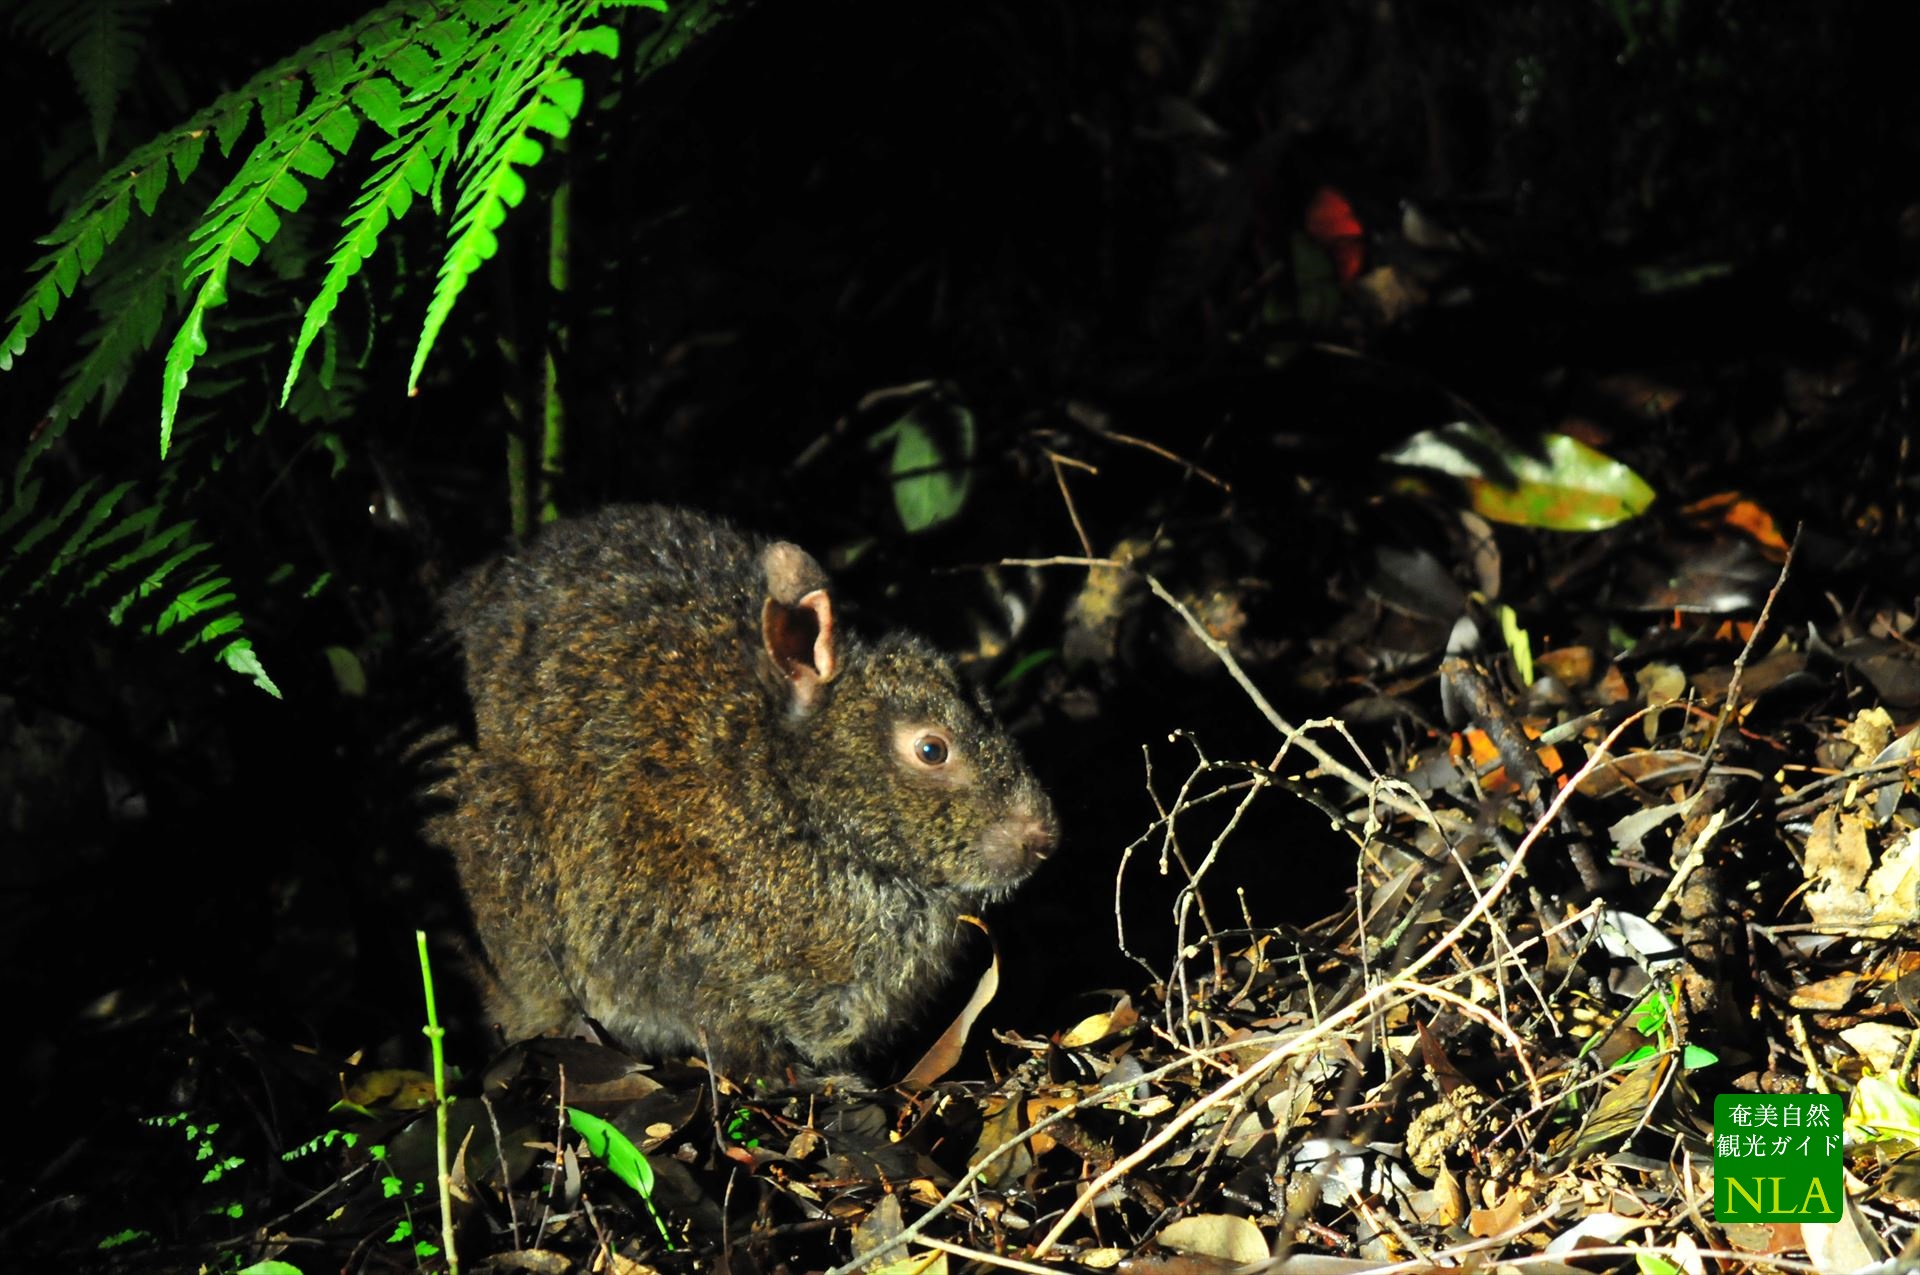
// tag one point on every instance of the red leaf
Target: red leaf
(1331, 224)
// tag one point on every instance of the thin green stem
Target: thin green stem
(436, 1039)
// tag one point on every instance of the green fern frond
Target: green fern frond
(406, 171)
(80, 240)
(233, 232)
(125, 551)
(459, 88)
(101, 548)
(101, 41)
(131, 303)
(460, 92)
(299, 147)
(423, 126)
(531, 92)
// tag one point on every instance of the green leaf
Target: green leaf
(156, 577)
(102, 510)
(449, 38)
(148, 184)
(1879, 1110)
(613, 1148)
(195, 600)
(567, 92)
(1653, 1012)
(186, 156)
(1568, 487)
(127, 1236)
(26, 496)
(269, 1268)
(486, 199)
(550, 120)
(1693, 1058)
(312, 159)
(114, 213)
(232, 122)
(338, 129)
(328, 69)
(412, 65)
(219, 628)
(88, 247)
(525, 91)
(379, 99)
(131, 304)
(385, 197)
(278, 103)
(929, 488)
(148, 547)
(47, 526)
(287, 191)
(349, 674)
(241, 223)
(239, 656)
(189, 343)
(1025, 665)
(66, 271)
(1519, 643)
(604, 40)
(137, 523)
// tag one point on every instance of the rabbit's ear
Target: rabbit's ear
(791, 572)
(796, 623)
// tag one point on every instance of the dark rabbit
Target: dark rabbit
(701, 813)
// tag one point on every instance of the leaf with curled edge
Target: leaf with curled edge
(945, 1052)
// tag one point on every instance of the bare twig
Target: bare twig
(1146, 444)
(1731, 703)
(1485, 902)
(500, 1156)
(1059, 463)
(988, 1259)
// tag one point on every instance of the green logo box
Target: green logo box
(1776, 1157)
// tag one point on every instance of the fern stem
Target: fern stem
(519, 477)
(553, 416)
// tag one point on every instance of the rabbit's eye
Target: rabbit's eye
(931, 750)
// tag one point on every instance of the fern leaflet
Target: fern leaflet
(532, 90)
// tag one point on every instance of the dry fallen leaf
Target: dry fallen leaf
(1881, 1045)
(394, 1089)
(1848, 890)
(1000, 1128)
(945, 1052)
(1836, 1248)
(1828, 993)
(1221, 1235)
